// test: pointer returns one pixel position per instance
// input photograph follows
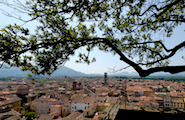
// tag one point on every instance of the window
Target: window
(87, 113)
(46, 106)
(41, 106)
(64, 110)
(85, 107)
(46, 112)
(67, 105)
(40, 111)
(37, 111)
(75, 107)
(41, 101)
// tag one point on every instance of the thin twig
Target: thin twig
(114, 71)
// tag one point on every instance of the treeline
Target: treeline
(167, 78)
(175, 79)
(5, 78)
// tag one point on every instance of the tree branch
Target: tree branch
(170, 69)
(114, 71)
(158, 9)
(144, 73)
(168, 6)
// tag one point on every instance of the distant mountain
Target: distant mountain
(168, 74)
(13, 72)
(16, 72)
(125, 74)
(153, 74)
(65, 71)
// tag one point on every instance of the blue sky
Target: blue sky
(104, 60)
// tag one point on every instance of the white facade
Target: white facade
(79, 106)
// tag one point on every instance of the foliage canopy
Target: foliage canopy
(30, 115)
(127, 28)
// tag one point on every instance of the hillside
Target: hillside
(65, 71)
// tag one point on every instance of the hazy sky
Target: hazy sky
(104, 60)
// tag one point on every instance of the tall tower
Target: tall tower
(74, 85)
(105, 78)
(96, 78)
(143, 79)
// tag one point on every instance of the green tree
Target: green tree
(166, 90)
(30, 115)
(127, 28)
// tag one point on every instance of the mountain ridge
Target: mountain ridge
(65, 71)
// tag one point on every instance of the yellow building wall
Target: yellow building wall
(17, 105)
(32, 107)
(67, 110)
(148, 92)
(176, 105)
(101, 108)
(90, 112)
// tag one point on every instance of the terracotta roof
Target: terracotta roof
(103, 104)
(45, 117)
(68, 92)
(140, 104)
(54, 113)
(72, 116)
(46, 99)
(5, 102)
(155, 103)
(177, 101)
(55, 105)
(104, 93)
(15, 115)
(80, 99)
(167, 97)
(158, 98)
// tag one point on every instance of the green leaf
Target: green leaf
(29, 75)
